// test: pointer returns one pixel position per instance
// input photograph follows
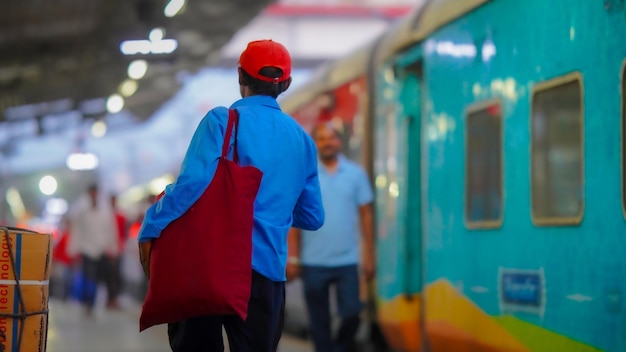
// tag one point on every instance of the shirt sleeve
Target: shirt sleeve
(309, 211)
(197, 171)
(364, 189)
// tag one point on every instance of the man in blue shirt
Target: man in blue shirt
(289, 196)
(330, 256)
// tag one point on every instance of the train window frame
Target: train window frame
(575, 76)
(484, 224)
(622, 119)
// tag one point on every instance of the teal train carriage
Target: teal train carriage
(498, 153)
(494, 134)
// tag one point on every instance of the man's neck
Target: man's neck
(331, 164)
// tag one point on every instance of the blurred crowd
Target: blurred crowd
(95, 247)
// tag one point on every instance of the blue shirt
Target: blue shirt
(336, 243)
(289, 194)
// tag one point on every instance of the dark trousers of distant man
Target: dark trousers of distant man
(95, 270)
(260, 332)
(317, 281)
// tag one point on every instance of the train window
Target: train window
(623, 138)
(483, 166)
(557, 151)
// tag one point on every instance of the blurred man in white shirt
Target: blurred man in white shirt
(93, 237)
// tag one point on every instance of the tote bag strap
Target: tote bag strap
(233, 121)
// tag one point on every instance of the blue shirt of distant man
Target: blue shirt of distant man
(330, 255)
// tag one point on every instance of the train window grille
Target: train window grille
(483, 170)
(557, 151)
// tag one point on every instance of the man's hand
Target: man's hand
(145, 249)
(366, 213)
(293, 254)
(293, 268)
(369, 265)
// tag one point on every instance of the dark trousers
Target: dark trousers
(114, 279)
(95, 271)
(317, 281)
(259, 333)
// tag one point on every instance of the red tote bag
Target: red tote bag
(202, 262)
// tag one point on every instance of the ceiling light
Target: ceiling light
(137, 69)
(156, 34)
(56, 206)
(128, 88)
(82, 161)
(115, 103)
(98, 129)
(173, 7)
(160, 46)
(48, 185)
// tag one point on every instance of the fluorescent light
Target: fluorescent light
(156, 34)
(128, 88)
(82, 161)
(56, 206)
(48, 185)
(164, 46)
(99, 129)
(155, 45)
(137, 69)
(173, 7)
(115, 103)
(134, 47)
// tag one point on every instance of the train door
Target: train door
(399, 207)
(410, 98)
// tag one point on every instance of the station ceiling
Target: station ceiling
(60, 54)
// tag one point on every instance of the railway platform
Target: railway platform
(118, 330)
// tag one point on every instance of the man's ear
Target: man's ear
(240, 71)
(287, 84)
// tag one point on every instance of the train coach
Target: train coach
(494, 135)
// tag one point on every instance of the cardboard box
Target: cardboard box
(31, 252)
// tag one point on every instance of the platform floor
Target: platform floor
(106, 331)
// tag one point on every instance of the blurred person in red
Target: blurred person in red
(94, 238)
(62, 262)
(115, 279)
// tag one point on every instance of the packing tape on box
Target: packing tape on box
(23, 282)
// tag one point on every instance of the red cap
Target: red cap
(265, 53)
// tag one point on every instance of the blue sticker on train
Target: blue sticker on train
(522, 291)
(521, 288)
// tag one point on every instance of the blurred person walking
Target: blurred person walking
(330, 255)
(114, 280)
(289, 195)
(93, 237)
(62, 263)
